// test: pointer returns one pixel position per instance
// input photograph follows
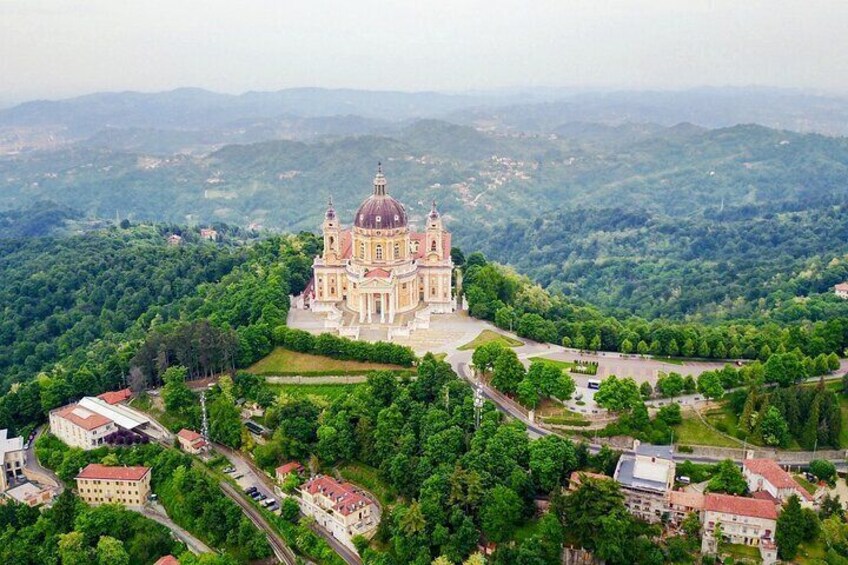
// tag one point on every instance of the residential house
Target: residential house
(192, 442)
(575, 480)
(100, 484)
(841, 290)
(175, 240)
(766, 476)
(283, 471)
(209, 234)
(339, 507)
(646, 478)
(747, 521)
(115, 396)
(12, 457)
(681, 504)
(80, 427)
(167, 560)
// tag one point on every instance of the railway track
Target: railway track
(283, 552)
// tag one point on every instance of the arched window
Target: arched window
(433, 245)
(332, 241)
(397, 250)
(379, 252)
(361, 250)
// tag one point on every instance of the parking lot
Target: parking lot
(250, 484)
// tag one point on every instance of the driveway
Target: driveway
(158, 514)
(35, 472)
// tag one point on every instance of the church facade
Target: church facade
(379, 268)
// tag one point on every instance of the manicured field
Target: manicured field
(285, 362)
(564, 365)
(327, 392)
(488, 336)
(694, 432)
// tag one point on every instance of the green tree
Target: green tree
(617, 395)
(823, 469)
(508, 372)
(552, 458)
(709, 384)
(646, 390)
(790, 529)
(728, 478)
(176, 394)
(225, 422)
(501, 513)
(73, 550)
(773, 428)
(110, 551)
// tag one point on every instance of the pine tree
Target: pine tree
(809, 435)
(704, 349)
(748, 412)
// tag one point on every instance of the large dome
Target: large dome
(380, 211)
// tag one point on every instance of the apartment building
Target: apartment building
(100, 484)
(12, 457)
(80, 427)
(646, 478)
(767, 477)
(747, 521)
(341, 508)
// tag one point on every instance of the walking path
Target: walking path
(158, 514)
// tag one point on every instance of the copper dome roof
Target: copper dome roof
(380, 211)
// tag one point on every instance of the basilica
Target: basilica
(379, 270)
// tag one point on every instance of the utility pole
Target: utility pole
(204, 426)
(478, 405)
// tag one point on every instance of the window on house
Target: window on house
(361, 250)
(379, 252)
(397, 250)
(433, 246)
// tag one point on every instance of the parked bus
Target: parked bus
(594, 384)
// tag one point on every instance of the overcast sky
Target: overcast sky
(58, 48)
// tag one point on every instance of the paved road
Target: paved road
(278, 545)
(158, 514)
(35, 472)
(460, 361)
(253, 476)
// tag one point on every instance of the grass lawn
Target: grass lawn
(694, 432)
(809, 553)
(369, 478)
(285, 362)
(741, 551)
(808, 486)
(488, 336)
(564, 365)
(553, 412)
(324, 392)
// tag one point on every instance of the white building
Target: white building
(340, 508)
(12, 456)
(766, 476)
(841, 290)
(746, 521)
(87, 423)
(646, 479)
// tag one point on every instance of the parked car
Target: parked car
(250, 490)
(255, 495)
(274, 507)
(262, 496)
(229, 470)
(268, 502)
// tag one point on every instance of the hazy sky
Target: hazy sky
(57, 48)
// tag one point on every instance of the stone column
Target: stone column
(368, 300)
(361, 308)
(382, 307)
(392, 307)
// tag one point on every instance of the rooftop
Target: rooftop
(80, 416)
(644, 475)
(123, 416)
(659, 451)
(774, 474)
(23, 492)
(346, 498)
(115, 396)
(688, 499)
(740, 506)
(189, 435)
(167, 560)
(290, 467)
(98, 471)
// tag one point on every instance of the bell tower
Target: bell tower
(433, 235)
(332, 234)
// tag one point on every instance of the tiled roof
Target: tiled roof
(167, 560)
(83, 418)
(346, 498)
(290, 467)
(842, 286)
(575, 476)
(687, 499)
(740, 506)
(97, 471)
(115, 396)
(189, 435)
(774, 474)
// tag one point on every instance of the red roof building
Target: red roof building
(115, 396)
(344, 497)
(740, 506)
(167, 560)
(191, 441)
(288, 468)
(105, 472)
(83, 418)
(766, 475)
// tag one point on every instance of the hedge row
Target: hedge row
(337, 347)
